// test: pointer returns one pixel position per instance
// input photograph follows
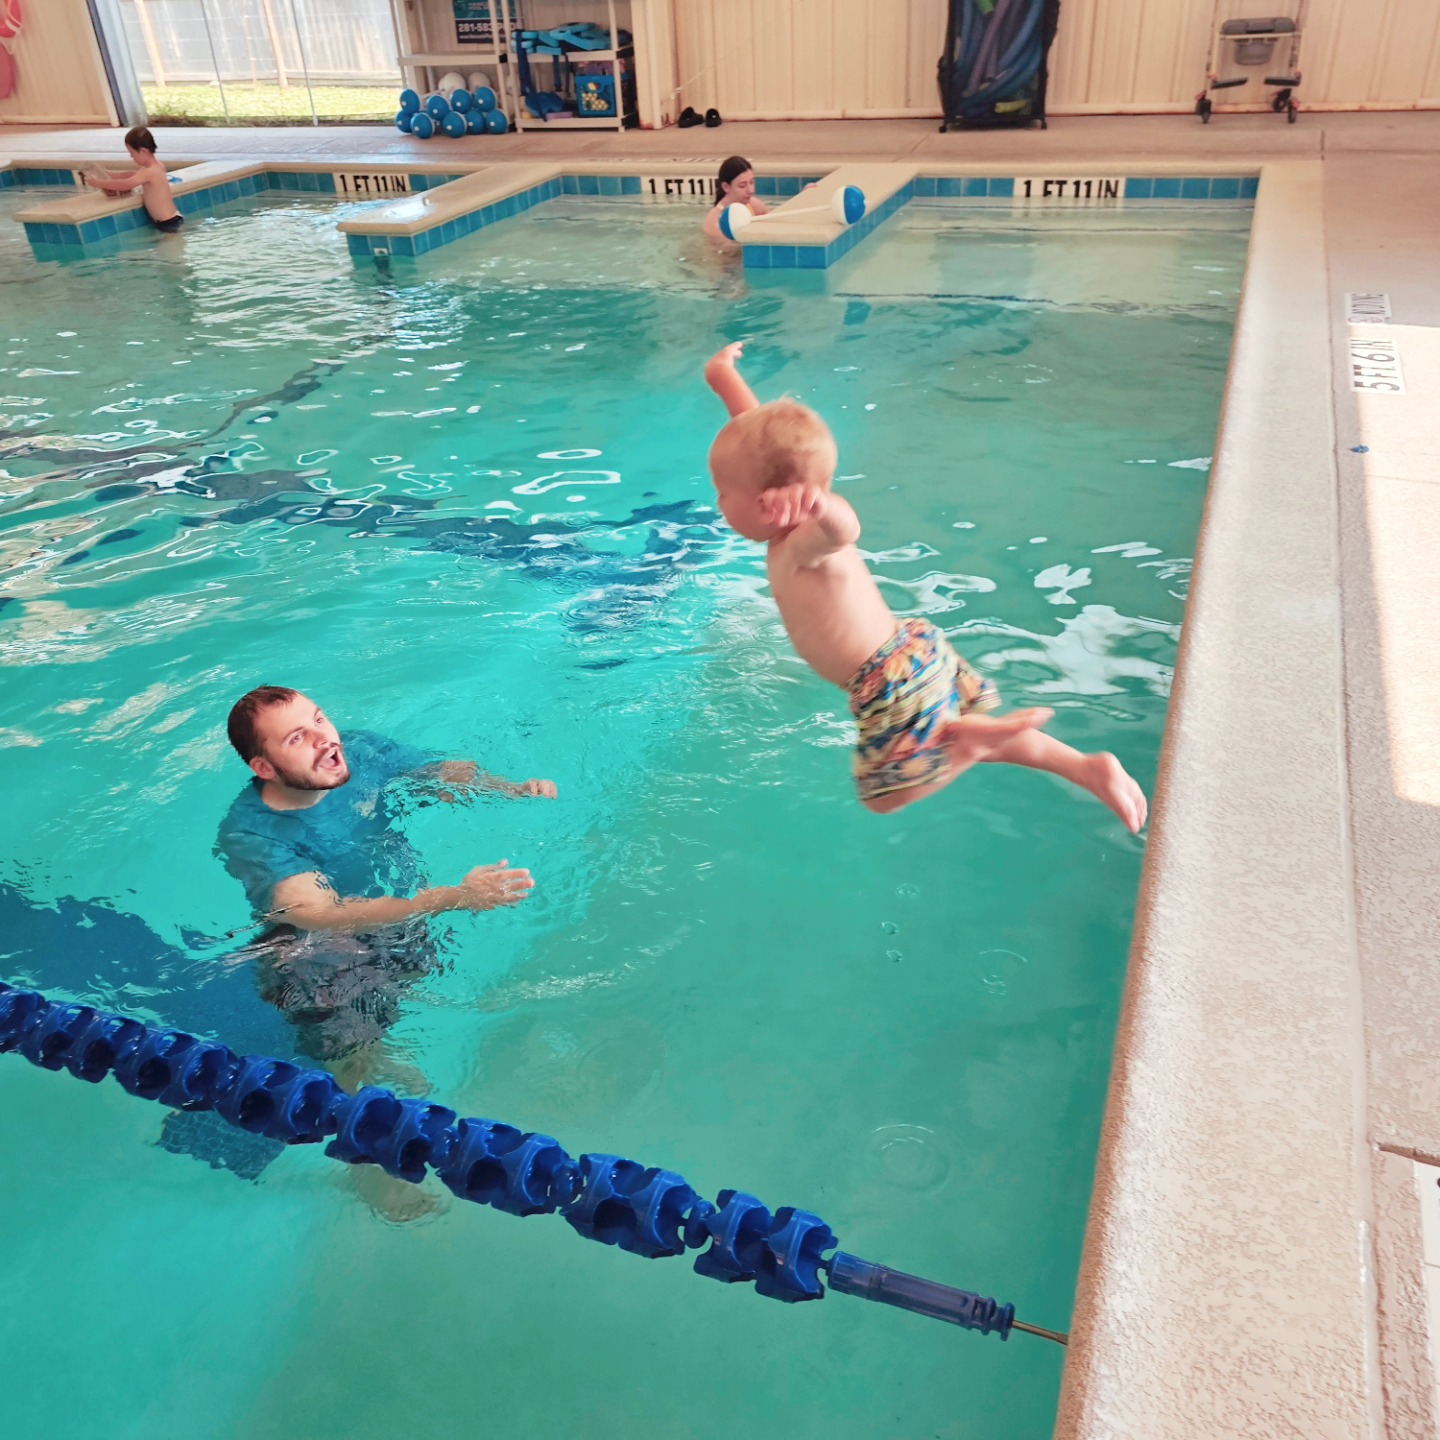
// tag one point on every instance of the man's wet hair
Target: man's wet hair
(140, 138)
(241, 725)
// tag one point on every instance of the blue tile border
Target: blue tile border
(758, 257)
(31, 175)
(1137, 187)
(783, 186)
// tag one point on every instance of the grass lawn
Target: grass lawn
(269, 104)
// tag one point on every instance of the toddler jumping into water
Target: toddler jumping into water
(918, 704)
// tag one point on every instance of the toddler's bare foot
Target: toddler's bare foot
(970, 739)
(1108, 781)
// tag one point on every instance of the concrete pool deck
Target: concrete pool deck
(1255, 1258)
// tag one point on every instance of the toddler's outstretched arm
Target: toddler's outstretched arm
(727, 382)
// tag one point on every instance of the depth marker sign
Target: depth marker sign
(1055, 187)
(1375, 365)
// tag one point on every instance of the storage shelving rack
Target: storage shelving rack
(425, 34)
(614, 57)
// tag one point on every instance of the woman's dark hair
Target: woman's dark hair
(731, 170)
(141, 139)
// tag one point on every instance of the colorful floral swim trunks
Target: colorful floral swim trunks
(902, 697)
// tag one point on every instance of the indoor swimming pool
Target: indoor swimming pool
(463, 503)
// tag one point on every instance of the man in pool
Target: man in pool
(919, 707)
(312, 840)
(150, 175)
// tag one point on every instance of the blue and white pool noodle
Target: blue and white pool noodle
(846, 205)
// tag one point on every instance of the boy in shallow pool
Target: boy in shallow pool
(150, 175)
(918, 704)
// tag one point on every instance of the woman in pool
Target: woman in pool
(735, 185)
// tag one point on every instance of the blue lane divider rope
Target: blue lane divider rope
(647, 1211)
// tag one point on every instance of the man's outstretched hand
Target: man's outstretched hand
(489, 887)
(467, 774)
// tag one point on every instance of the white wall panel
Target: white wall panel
(757, 59)
(61, 78)
(809, 59)
(657, 78)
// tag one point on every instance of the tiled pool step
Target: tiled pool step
(91, 217)
(818, 246)
(418, 224)
(411, 227)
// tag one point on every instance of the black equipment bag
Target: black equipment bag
(993, 71)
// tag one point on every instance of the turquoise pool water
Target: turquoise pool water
(465, 504)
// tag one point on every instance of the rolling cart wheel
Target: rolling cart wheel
(1294, 110)
(1203, 107)
(1044, 123)
(942, 127)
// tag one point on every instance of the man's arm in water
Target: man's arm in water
(310, 903)
(468, 775)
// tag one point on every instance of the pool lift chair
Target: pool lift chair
(1239, 44)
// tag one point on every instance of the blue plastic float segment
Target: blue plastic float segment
(622, 1203)
(739, 1229)
(500, 1166)
(793, 1257)
(646, 1211)
(377, 1128)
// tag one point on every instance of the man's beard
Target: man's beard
(313, 779)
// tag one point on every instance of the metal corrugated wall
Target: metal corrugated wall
(817, 59)
(61, 77)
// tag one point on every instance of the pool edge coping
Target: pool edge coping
(1225, 1278)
